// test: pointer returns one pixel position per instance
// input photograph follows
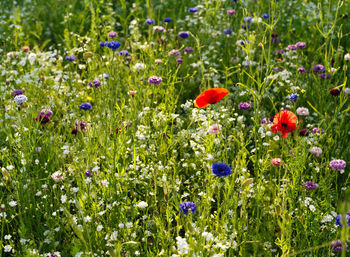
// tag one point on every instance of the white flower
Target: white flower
(139, 66)
(347, 91)
(128, 224)
(99, 228)
(208, 236)
(8, 248)
(20, 99)
(57, 176)
(13, 203)
(142, 205)
(87, 219)
(32, 58)
(63, 198)
(7, 237)
(347, 57)
(312, 208)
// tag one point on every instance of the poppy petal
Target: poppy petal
(210, 96)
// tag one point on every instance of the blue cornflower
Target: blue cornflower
(85, 106)
(228, 31)
(95, 83)
(248, 19)
(70, 58)
(338, 219)
(150, 21)
(168, 20)
(193, 9)
(221, 169)
(114, 45)
(293, 97)
(184, 34)
(265, 15)
(186, 206)
(103, 43)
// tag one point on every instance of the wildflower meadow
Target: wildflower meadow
(174, 128)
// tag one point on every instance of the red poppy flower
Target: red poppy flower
(284, 121)
(210, 96)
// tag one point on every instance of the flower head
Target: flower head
(186, 206)
(316, 151)
(155, 80)
(184, 34)
(276, 162)
(123, 53)
(214, 129)
(319, 68)
(244, 106)
(309, 185)
(300, 45)
(114, 45)
(302, 111)
(284, 121)
(337, 165)
(293, 97)
(19, 99)
(85, 106)
(231, 12)
(71, 58)
(193, 9)
(337, 246)
(150, 21)
(95, 83)
(112, 34)
(301, 70)
(265, 15)
(17, 92)
(221, 169)
(228, 31)
(167, 20)
(210, 96)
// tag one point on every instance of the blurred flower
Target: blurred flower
(316, 151)
(193, 9)
(85, 106)
(332, 70)
(334, 92)
(188, 49)
(158, 28)
(71, 58)
(221, 169)
(210, 96)
(123, 53)
(309, 185)
(300, 45)
(19, 99)
(158, 61)
(317, 131)
(114, 45)
(284, 121)
(231, 12)
(95, 83)
(132, 93)
(46, 112)
(347, 91)
(112, 34)
(142, 205)
(25, 48)
(302, 111)
(155, 80)
(43, 119)
(265, 15)
(276, 162)
(303, 132)
(337, 246)
(293, 97)
(337, 165)
(291, 47)
(179, 60)
(184, 34)
(228, 31)
(186, 206)
(149, 21)
(319, 68)
(174, 52)
(301, 70)
(57, 176)
(167, 20)
(244, 106)
(139, 66)
(17, 92)
(347, 57)
(214, 129)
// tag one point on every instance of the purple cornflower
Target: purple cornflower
(228, 31)
(274, 38)
(186, 206)
(325, 76)
(193, 9)
(231, 12)
(85, 106)
(188, 49)
(316, 151)
(280, 52)
(112, 34)
(337, 165)
(179, 60)
(44, 112)
(17, 92)
(158, 28)
(300, 45)
(71, 58)
(167, 20)
(89, 173)
(337, 246)
(103, 43)
(338, 219)
(174, 52)
(263, 121)
(244, 106)
(114, 45)
(301, 70)
(265, 15)
(317, 131)
(184, 34)
(95, 83)
(221, 169)
(123, 53)
(149, 21)
(155, 80)
(248, 19)
(319, 68)
(309, 185)
(291, 47)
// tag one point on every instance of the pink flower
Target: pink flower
(132, 93)
(214, 129)
(276, 162)
(25, 48)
